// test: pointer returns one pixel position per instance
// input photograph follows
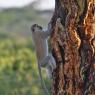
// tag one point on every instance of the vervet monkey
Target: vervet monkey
(44, 59)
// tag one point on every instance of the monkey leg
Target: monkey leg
(49, 63)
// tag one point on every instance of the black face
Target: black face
(34, 26)
(40, 27)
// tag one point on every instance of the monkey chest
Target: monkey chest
(42, 49)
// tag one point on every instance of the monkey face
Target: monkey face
(36, 28)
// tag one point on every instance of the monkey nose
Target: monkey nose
(32, 29)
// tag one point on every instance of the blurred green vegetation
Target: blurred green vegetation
(18, 21)
(18, 66)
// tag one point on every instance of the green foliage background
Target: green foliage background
(18, 66)
(18, 69)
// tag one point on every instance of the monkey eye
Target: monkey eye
(40, 27)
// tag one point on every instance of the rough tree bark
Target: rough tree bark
(73, 47)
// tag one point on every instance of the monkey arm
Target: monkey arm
(45, 34)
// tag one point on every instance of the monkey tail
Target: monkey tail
(42, 81)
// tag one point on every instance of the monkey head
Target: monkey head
(36, 28)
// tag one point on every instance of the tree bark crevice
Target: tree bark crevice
(73, 47)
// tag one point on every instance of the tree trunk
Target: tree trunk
(73, 47)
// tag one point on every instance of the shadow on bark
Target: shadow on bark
(73, 47)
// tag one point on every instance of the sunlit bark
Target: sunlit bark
(73, 47)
